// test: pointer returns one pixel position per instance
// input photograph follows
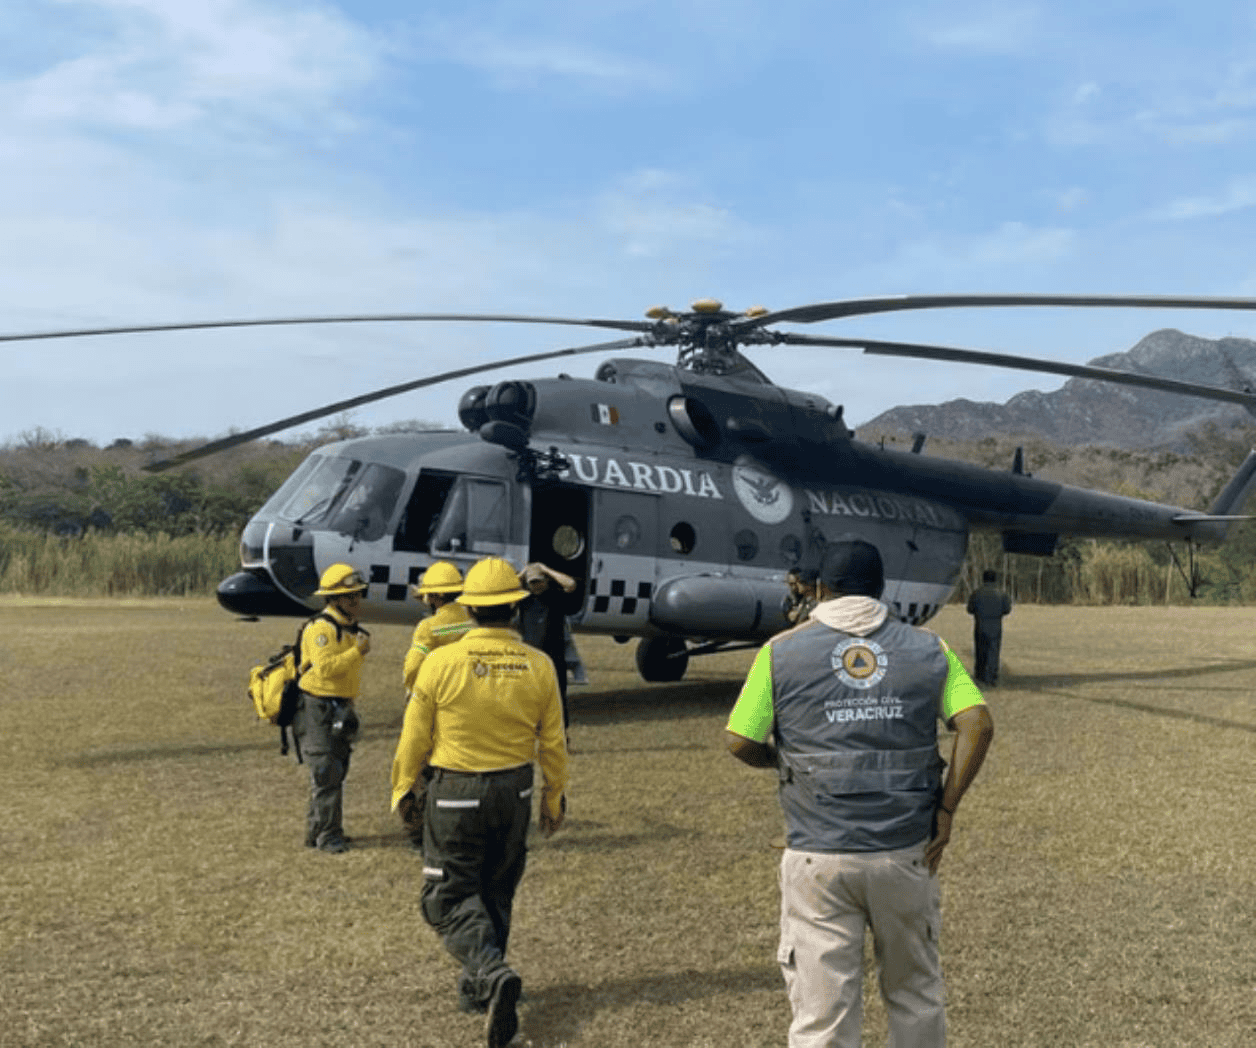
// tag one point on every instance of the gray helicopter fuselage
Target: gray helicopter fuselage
(678, 502)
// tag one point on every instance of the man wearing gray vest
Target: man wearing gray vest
(852, 697)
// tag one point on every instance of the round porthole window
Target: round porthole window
(568, 543)
(747, 543)
(627, 532)
(683, 538)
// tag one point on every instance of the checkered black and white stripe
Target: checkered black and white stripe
(619, 597)
(393, 581)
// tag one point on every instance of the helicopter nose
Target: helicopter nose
(251, 594)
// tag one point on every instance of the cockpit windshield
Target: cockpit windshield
(322, 488)
(364, 512)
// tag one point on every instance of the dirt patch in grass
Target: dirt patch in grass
(1099, 890)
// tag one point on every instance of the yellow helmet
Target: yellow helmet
(441, 577)
(492, 581)
(340, 580)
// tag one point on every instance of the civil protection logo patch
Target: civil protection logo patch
(479, 668)
(859, 663)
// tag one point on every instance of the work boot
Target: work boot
(503, 1021)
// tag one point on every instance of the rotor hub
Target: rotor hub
(707, 336)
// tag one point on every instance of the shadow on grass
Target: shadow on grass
(1068, 680)
(556, 1014)
(654, 703)
(1164, 711)
(641, 704)
(1056, 681)
(98, 758)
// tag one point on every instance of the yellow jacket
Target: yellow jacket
(335, 664)
(487, 703)
(445, 625)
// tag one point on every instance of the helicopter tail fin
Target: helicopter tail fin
(1225, 510)
(1234, 495)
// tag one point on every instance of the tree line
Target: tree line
(76, 519)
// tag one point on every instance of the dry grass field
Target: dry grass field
(1100, 890)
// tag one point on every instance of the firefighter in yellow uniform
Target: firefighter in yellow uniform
(438, 589)
(481, 711)
(333, 647)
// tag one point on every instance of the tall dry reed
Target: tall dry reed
(122, 565)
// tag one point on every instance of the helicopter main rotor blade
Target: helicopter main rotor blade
(236, 439)
(1004, 360)
(854, 307)
(363, 318)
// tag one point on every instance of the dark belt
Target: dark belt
(441, 773)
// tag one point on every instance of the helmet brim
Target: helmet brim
(489, 600)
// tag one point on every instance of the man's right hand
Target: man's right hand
(550, 824)
(364, 642)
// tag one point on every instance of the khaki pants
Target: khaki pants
(827, 900)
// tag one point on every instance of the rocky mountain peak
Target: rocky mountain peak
(1086, 411)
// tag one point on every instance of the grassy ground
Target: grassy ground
(1099, 890)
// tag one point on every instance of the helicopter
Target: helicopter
(677, 495)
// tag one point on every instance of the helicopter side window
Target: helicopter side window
(747, 543)
(364, 512)
(791, 550)
(324, 487)
(475, 518)
(683, 538)
(423, 511)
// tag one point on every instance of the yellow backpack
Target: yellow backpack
(274, 686)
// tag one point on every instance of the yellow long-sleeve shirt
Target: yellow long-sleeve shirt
(335, 663)
(448, 623)
(486, 703)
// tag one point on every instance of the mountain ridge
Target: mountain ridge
(1091, 412)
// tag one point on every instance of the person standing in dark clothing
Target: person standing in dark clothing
(987, 605)
(543, 618)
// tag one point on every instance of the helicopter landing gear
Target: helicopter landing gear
(662, 658)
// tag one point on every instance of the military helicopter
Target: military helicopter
(678, 495)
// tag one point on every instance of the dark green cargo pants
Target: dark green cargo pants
(474, 849)
(324, 731)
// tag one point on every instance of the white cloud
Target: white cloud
(992, 29)
(652, 212)
(170, 62)
(519, 58)
(1239, 195)
(989, 259)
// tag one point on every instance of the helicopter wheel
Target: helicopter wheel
(660, 658)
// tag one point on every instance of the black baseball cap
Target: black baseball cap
(852, 566)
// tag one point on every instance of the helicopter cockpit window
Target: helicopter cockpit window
(290, 486)
(475, 518)
(365, 511)
(321, 490)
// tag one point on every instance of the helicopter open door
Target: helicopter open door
(559, 536)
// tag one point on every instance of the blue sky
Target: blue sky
(167, 160)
